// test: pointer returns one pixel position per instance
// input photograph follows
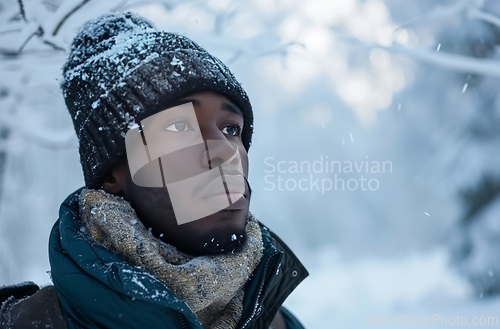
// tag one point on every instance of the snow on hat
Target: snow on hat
(121, 70)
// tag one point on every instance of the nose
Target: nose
(218, 152)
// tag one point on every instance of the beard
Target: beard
(225, 242)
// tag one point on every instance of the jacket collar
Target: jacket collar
(92, 280)
(278, 274)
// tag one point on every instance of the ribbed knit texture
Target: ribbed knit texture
(121, 70)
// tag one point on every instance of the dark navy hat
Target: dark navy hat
(121, 70)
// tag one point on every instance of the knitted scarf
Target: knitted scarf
(212, 286)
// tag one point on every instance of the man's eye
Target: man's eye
(232, 130)
(178, 126)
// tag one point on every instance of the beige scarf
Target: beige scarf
(212, 286)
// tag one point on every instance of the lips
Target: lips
(240, 203)
(234, 183)
(236, 186)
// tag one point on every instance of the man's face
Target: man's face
(218, 153)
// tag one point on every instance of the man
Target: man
(161, 236)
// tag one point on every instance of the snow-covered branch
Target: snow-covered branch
(455, 62)
(46, 31)
(441, 13)
(450, 61)
(481, 15)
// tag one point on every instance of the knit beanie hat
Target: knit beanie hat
(121, 70)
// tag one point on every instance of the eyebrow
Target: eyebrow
(231, 108)
(225, 106)
(183, 101)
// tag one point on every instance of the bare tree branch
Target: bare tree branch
(38, 32)
(118, 6)
(10, 31)
(54, 45)
(68, 14)
(235, 57)
(282, 49)
(29, 32)
(22, 10)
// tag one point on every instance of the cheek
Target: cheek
(243, 155)
(244, 162)
(150, 204)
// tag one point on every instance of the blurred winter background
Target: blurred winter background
(413, 85)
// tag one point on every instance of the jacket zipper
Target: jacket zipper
(257, 306)
(182, 321)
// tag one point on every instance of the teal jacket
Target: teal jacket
(96, 288)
